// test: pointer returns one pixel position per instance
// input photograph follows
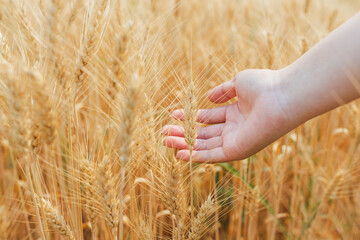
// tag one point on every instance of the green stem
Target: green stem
(236, 173)
(308, 223)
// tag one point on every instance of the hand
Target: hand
(271, 103)
(240, 129)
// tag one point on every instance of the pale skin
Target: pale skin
(270, 103)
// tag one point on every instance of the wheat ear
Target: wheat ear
(88, 178)
(253, 201)
(190, 132)
(145, 231)
(44, 114)
(106, 191)
(15, 97)
(74, 10)
(332, 19)
(271, 49)
(118, 66)
(4, 49)
(127, 127)
(88, 48)
(333, 186)
(149, 135)
(4, 222)
(121, 46)
(54, 219)
(307, 6)
(173, 196)
(198, 225)
(56, 58)
(128, 118)
(304, 45)
(190, 116)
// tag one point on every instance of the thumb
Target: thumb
(223, 92)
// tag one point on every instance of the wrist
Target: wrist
(294, 98)
(277, 90)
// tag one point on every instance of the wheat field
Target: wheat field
(86, 86)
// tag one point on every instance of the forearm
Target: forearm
(327, 76)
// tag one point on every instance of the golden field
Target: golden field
(85, 87)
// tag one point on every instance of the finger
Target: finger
(210, 131)
(223, 92)
(205, 156)
(212, 116)
(202, 132)
(178, 114)
(173, 130)
(207, 116)
(207, 144)
(176, 142)
(200, 144)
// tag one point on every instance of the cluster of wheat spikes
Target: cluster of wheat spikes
(86, 86)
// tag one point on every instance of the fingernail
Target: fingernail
(175, 113)
(179, 156)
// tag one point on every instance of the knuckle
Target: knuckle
(205, 115)
(200, 144)
(243, 75)
(201, 132)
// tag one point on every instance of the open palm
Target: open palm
(237, 130)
